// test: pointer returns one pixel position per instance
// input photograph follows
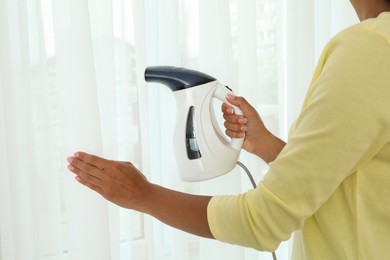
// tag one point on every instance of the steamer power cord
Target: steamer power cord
(246, 170)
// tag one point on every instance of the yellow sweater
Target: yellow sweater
(331, 182)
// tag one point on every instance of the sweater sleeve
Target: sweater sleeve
(342, 125)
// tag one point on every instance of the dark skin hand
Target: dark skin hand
(258, 140)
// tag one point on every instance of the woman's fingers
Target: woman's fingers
(89, 184)
(234, 134)
(89, 169)
(83, 166)
(235, 124)
(226, 109)
(235, 127)
(236, 119)
(93, 160)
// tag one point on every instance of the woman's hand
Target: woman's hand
(258, 140)
(118, 182)
(249, 125)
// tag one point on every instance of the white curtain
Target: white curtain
(71, 78)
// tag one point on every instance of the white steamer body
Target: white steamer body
(217, 155)
(202, 151)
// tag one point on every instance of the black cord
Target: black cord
(246, 170)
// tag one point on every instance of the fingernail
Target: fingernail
(77, 155)
(79, 179)
(70, 168)
(242, 120)
(230, 96)
(231, 111)
(243, 128)
(70, 159)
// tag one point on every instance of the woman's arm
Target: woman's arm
(124, 185)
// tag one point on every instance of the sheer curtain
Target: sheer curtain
(71, 78)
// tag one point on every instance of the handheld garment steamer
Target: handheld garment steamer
(202, 152)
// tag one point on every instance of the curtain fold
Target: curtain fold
(17, 108)
(80, 127)
(71, 78)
